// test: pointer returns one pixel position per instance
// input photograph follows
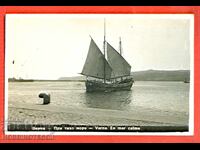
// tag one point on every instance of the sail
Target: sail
(120, 67)
(94, 64)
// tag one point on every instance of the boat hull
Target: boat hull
(92, 86)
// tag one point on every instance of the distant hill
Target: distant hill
(161, 75)
(148, 75)
(77, 78)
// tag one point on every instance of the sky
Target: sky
(49, 46)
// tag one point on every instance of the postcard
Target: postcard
(99, 74)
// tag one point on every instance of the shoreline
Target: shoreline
(70, 105)
(51, 114)
(30, 116)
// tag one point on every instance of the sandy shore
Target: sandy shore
(47, 117)
(50, 114)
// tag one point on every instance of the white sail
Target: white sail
(120, 67)
(94, 64)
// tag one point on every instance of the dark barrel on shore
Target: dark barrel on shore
(46, 97)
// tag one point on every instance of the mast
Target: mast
(120, 50)
(120, 46)
(104, 51)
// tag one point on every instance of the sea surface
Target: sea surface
(144, 96)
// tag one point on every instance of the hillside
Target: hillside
(160, 75)
(77, 78)
(148, 75)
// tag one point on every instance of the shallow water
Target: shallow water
(161, 96)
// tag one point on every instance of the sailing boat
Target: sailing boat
(106, 75)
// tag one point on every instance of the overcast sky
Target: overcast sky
(52, 46)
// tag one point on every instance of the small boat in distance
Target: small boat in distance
(186, 81)
(106, 75)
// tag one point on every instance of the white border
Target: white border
(191, 94)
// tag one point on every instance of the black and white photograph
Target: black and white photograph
(99, 73)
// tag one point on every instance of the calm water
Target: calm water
(165, 96)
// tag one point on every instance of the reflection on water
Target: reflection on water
(119, 100)
(152, 101)
(165, 96)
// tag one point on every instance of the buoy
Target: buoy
(45, 96)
